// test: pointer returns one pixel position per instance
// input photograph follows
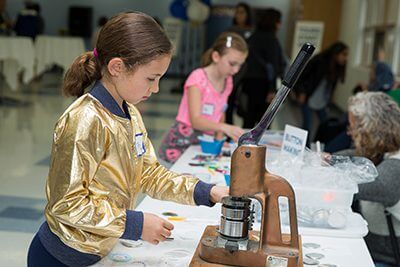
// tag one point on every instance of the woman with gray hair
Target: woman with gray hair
(375, 129)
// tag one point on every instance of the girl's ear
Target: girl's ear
(215, 56)
(115, 66)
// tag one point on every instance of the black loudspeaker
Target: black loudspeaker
(80, 21)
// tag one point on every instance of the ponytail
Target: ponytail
(83, 72)
(206, 58)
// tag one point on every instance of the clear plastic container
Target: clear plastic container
(330, 198)
(323, 193)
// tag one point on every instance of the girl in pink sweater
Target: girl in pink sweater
(205, 96)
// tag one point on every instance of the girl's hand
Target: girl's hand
(155, 229)
(219, 135)
(232, 131)
(218, 192)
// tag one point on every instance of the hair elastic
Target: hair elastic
(228, 41)
(96, 55)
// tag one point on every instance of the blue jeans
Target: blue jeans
(308, 116)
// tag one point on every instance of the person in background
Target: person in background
(41, 24)
(318, 81)
(102, 156)
(375, 129)
(265, 64)
(334, 131)
(6, 23)
(100, 23)
(381, 80)
(381, 77)
(242, 24)
(205, 96)
(29, 23)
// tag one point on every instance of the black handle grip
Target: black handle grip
(255, 134)
(298, 65)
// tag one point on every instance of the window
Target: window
(381, 32)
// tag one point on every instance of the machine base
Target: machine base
(208, 254)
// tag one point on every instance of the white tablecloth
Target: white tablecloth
(178, 252)
(57, 50)
(16, 54)
(356, 226)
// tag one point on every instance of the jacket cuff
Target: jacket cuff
(133, 225)
(202, 194)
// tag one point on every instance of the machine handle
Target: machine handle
(298, 65)
(254, 135)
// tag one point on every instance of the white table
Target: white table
(16, 54)
(356, 226)
(57, 50)
(338, 251)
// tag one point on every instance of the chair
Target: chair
(393, 237)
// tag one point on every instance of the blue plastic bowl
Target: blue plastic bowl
(213, 148)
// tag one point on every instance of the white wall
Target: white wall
(350, 33)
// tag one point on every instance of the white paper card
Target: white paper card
(294, 140)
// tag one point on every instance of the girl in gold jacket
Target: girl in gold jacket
(101, 155)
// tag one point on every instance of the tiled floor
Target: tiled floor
(25, 142)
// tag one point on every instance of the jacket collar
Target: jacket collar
(105, 98)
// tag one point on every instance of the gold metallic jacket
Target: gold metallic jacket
(95, 175)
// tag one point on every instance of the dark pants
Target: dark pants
(39, 257)
(257, 90)
(231, 106)
(308, 116)
(340, 142)
(233, 97)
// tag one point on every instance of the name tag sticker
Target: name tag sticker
(208, 109)
(139, 145)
